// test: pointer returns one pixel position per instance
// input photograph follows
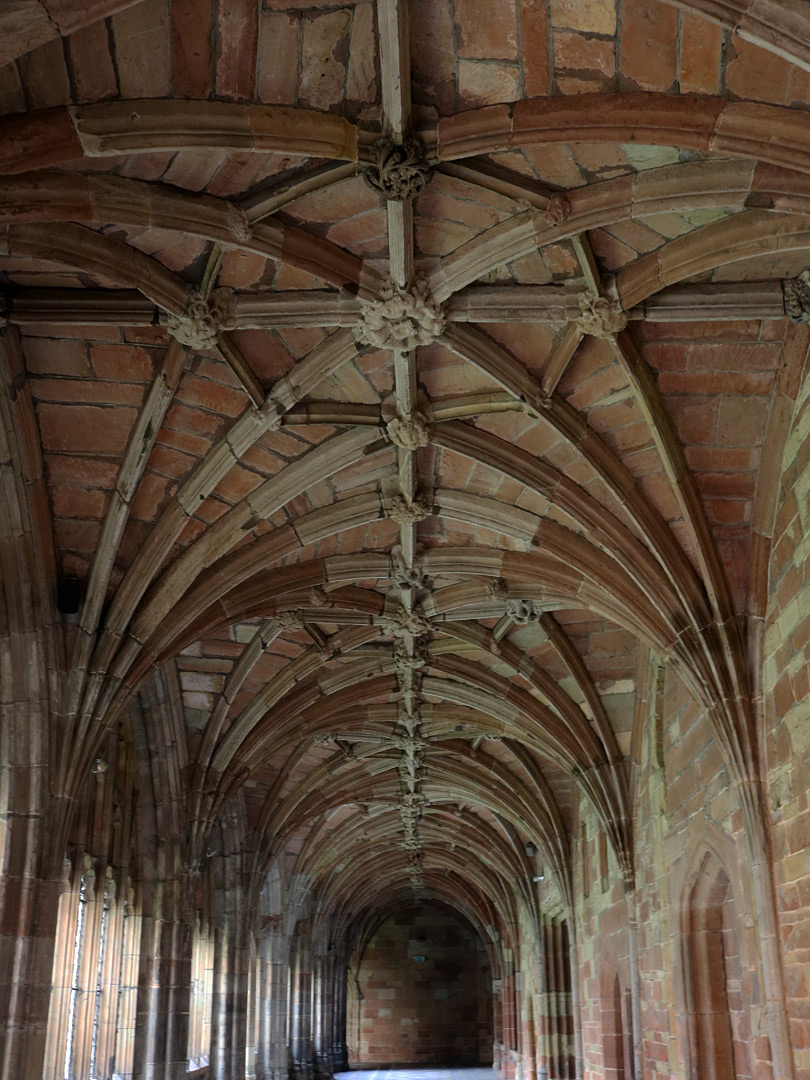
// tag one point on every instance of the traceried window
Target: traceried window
(95, 975)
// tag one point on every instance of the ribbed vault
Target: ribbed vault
(354, 419)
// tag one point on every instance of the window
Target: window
(75, 988)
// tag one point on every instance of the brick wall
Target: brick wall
(434, 1012)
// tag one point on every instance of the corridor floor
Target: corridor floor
(425, 1073)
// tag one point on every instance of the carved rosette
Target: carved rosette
(408, 575)
(558, 209)
(201, 320)
(411, 773)
(411, 744)
(290, 620)
(796, 293)
(401, 319)
(399, 170)
(404, 512)
(410, 432)
(601, 317)
(406, 661)
(410, 721)
(402, 622)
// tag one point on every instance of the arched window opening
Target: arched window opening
(89, 1008)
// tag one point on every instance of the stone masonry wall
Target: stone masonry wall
(786, 683)
(687, 816)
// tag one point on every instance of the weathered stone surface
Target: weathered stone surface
(361, 555)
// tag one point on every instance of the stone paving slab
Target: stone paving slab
(418, 1073)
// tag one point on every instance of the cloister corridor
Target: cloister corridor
(405, 539)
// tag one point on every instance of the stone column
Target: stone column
(128, 1000)
(561, 1006)
(32, 662)
(323, 1012)
(542, 1004)
(164, 981)
(303, 1057)
(508, 1059)
(31, 875)
(294, 1007)
(110, 976)
(338, 1015)
(27, 936)
(229, 1012)
(250, 1022)
(62, 972)
(576, 1007)
(551, 1003)
(497, 1025)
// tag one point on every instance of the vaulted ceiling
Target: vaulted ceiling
(395, 375)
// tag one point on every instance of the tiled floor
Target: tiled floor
(419, 1074)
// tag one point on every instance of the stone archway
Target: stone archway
(425, 992)
(716, 1015)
